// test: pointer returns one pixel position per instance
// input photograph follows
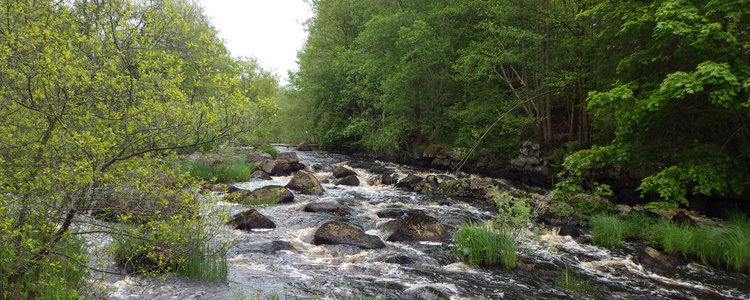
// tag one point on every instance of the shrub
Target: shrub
(514, 211)
(180, 245)
(607, 231)
(57, 277)
(481, 245)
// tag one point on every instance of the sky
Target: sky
(269, 30)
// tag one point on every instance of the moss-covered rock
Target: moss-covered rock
(417, 226)
(306, 183)
(272, 194)
(337, 233)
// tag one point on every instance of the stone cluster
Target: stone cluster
(530, 158)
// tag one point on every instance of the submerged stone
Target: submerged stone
(327, 208)
(272, 194)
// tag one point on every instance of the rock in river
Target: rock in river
(337, 233)
(271, 194)
(249, 220)
(306, 183)
(417, 226)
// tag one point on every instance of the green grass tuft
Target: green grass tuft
(268, 149)
(480, 245)
(607, 231)
(572, 283)
(232, 170)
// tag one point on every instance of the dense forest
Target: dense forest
(661, 87)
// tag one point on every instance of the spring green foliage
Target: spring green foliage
(513, 212)
(484, 245)
(268, 149)
(727, 246)
(235, 169)
(659, 86)
(63, 276)
(92, 93)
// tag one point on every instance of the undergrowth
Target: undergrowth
(726, 247)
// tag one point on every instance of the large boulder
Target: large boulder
(569, 230)
(304, 147)
(559, 214)
(306, 183)
(351, 180)
(249, 220)
(263, 247)
(654, 260)
(337, 233)
(271, 194)
(417, 226)
(409, 182)
(274, 167)
(327, 208)
(287, 157)
(341, 172)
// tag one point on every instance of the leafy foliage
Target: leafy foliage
(92, 94)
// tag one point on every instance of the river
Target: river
(259, 268)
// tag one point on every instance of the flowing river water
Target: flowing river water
(555, 267)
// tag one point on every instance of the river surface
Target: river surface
(259, 270)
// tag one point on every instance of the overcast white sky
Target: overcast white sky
(269, 30)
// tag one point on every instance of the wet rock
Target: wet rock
(462, 175)
(392, 213)
(274, 167)
(379, 169)
(327, 208)
(432, 180)
(341, 172)
(417, 226)
(322, 168)
(249, 220)
(569, 230)
(260, 174)
(306, 183)
(359, 165)
(271, 194)
(682, 219)
(337, 233)
(388, 179)
(401, 260)
(654, 260)
(265, 248)
(525, 267)
(325, 181)
(304, 147)
(411, 182)
(351, 180)
(288, 157)
(425, 293)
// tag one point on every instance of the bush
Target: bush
(232, 170)
(56, 277)
(481, 245)
(179, 246)
(513, 211)
(607, 231)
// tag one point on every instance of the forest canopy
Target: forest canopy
(661, 86)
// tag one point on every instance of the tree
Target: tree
(87, 88)
(679, 106)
